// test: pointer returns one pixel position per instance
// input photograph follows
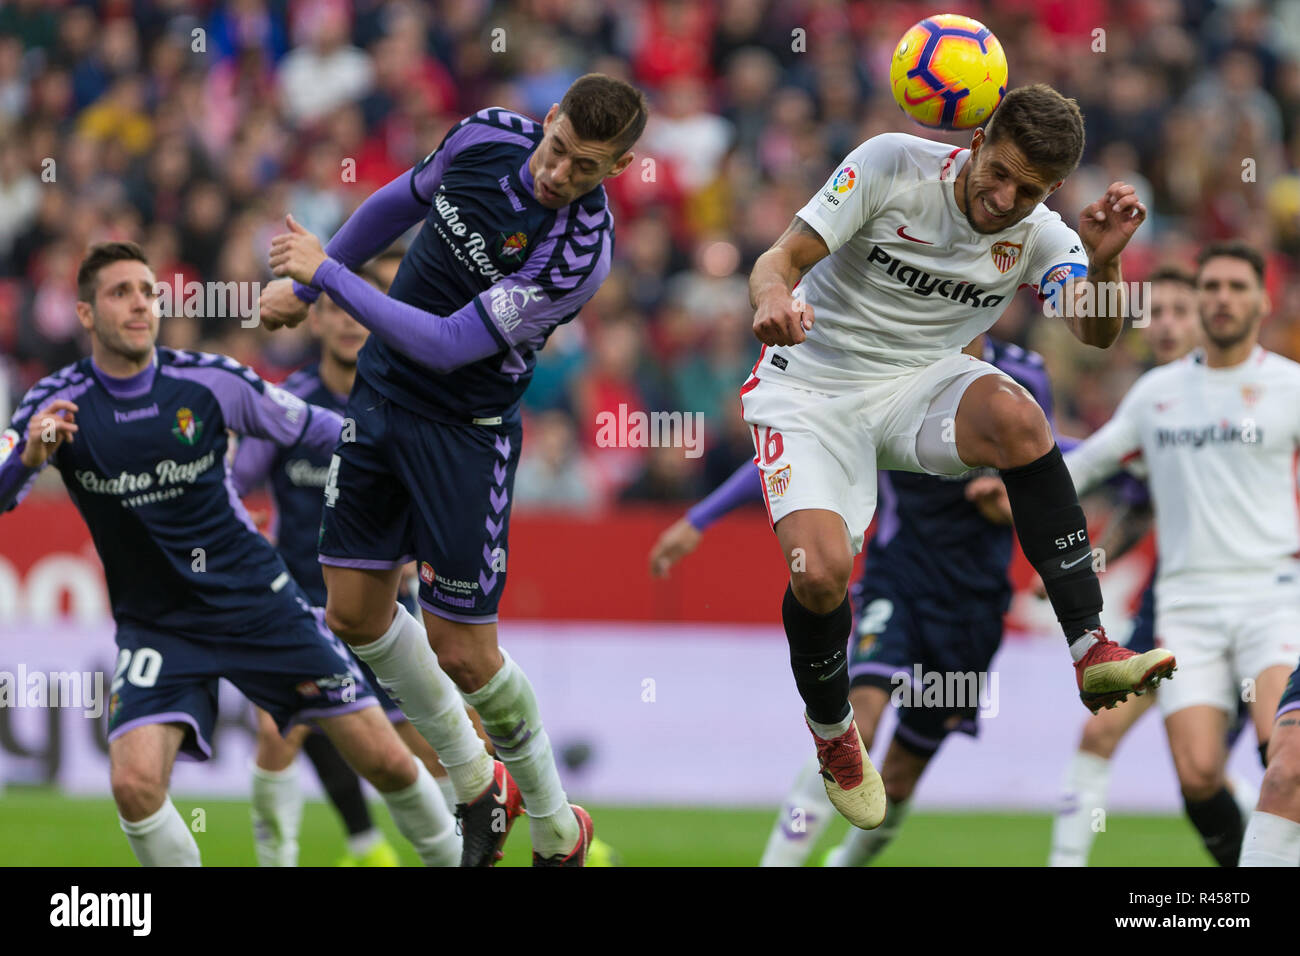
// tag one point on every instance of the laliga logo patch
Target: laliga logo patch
(426, 572)
(840, 185)
(778, 482)
(1005, 254)
(8, 442)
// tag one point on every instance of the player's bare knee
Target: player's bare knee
(138, 792)
(392, 768)
(1200, 782)
(1021, 433)
(822, 584)
(1099, 739)
(352, 624)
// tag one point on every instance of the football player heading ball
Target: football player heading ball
(911, 250)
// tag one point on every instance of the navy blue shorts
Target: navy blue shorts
(298, 671)
(1143, 636)
(893, 637)
(1291, 695)
(408, 487)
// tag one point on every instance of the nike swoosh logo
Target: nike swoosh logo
(843, 664)
(913, 100)
(924, 242)
(1066, 567)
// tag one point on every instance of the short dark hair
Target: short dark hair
(102, 254)
(606, 110)
(1047, 127)
(1171, 272)
(1232, 249)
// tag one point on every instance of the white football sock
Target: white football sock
(803, 817)
(830, 731)
(1270, 840)
(448, 792)
(162, 839)
(508, 708)
(408, 669)
(423, 818)
(277, 815)
(1081, 645)
(1245, 793)
(1087, 780)
(860, 847)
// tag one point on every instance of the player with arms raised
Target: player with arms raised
(909, 252)
(517, 238)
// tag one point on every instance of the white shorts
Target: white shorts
(821, 449)
(1222, 646)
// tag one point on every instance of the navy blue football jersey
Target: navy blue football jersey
(931, 544)
(486, 240)
(148, 473)
(297, 478)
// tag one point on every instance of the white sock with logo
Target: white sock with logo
(803, 817)
(860, 847)
(423, 818)
(1270, 840)
(508, 708)
(1087, 780)
(162, 839)
(408, 669)
(277, 815)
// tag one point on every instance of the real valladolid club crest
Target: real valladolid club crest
(188, 428)
(1005, 254)
(512, 245)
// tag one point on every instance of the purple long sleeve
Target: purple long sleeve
(377, 222)
(439, 343)
(252, 463)
(744, 485)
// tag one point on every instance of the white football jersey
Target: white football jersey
(908, 281)
(1219, 447)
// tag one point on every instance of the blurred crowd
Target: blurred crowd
(194, 127)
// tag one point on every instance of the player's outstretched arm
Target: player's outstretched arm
(23, 455)
(1105, 226)
(507, 313)
(683, 536)
(780, 318)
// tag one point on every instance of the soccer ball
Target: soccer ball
(948, 72)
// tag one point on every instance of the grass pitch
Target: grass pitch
(43, 828)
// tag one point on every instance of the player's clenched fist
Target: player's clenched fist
(781, 318)
(296, 253)
(278, 307)
(47, 430)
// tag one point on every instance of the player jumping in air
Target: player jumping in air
(516, 239)
(932, 593)
(910, 251)
(1218, 434)
(138, 434)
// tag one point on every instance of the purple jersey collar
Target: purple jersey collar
(132, 387)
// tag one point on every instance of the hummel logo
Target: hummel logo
(902, 234)
(1066, 567)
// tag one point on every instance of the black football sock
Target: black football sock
(819, 657)
(1218, 820)
(341, 783)
(1263, 754)
(1054, 536)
